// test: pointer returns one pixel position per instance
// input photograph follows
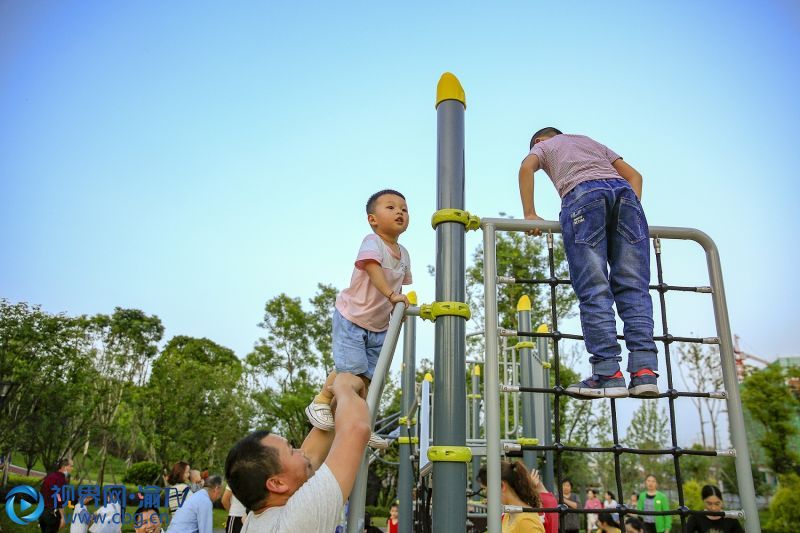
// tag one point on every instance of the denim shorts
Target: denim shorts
(355, 349)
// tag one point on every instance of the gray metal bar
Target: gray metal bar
(491, 380)
(405, 481)
(450, 394)
(735, 417)
(542, 409)
(355, 515)
(526, 379)
(476, 422)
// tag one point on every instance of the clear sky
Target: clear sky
(194, 159)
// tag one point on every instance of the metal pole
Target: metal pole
(476, 422)
(526, 380)
(405, 481)
(744, 474)
(491, 383)
(449, 423)
(355, 515)
(543, 408)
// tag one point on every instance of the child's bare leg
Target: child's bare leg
(325, 395)
(366, 381)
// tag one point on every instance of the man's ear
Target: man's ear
(275, 484)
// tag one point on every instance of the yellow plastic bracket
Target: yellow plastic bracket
(473, 396)
(525, 344)
(471, 222)
(436, 309)
(546, 365)
(408, 440)
(403, 421)
(527, 441)
(450, 454)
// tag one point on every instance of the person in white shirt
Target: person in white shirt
(236, 511)
(196, 514)
(81, 517)
(303, 490)
(107, 519)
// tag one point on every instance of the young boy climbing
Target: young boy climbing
(361, 317)
(606, 241)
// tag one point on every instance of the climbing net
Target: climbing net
(617, 449)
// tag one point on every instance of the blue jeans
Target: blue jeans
(608, 250)
(355, 350)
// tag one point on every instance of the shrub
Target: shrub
(144, 473)
(784, 511)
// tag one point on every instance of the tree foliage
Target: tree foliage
(767, 397)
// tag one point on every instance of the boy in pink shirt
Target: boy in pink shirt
(361, 317)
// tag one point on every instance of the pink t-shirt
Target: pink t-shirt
(361, 303)
(594, 504)
(573, 159)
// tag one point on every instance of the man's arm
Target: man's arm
(205, 518)
(526, 170)
(378, 279)
(629, 174)
(352, 431)
(572, 502)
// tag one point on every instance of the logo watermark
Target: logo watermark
(110, 501)
(22, 494)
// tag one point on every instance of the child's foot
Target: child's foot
(378, 443)
(597, 386)
(320, 416)
(644, 383)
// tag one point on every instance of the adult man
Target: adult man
(51, 518)
(196, 513)
(302, 489)
(147, 520)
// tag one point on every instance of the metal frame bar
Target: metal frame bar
(491, 387)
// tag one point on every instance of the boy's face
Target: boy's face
(390, 216)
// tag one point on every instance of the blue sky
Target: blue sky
(194, 159)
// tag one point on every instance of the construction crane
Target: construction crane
(740, 357)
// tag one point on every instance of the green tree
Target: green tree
(123, 346)
(767, 397)
(784, 511)
(287, 366)
(648, 431)
(45, 355)
(701, 371)
(520, 257)
(197, 401)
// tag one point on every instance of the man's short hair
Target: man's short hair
(137, 516)
(374, 198)
(248, 467)
(213, 482)
(548, 131)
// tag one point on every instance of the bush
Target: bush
(144, 473)
(784, 511)
(377, 510)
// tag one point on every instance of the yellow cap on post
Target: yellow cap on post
(428, 377)
(476, 370)
(412, 297)
(524, 303)
(542, 329)
(449, 88)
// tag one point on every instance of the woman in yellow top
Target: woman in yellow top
(516, 489)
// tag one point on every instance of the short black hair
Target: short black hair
(608, 518)
(137, 516)
(635, 522)
(549, 130)
(710, 490)
(374, 198)
(248, 467)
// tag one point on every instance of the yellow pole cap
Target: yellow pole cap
(412, 297)
(449, 88)
(542, 329)
(476, 370)
(429, 377)
(524, 303)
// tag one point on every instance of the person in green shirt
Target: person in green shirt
(651, 499)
